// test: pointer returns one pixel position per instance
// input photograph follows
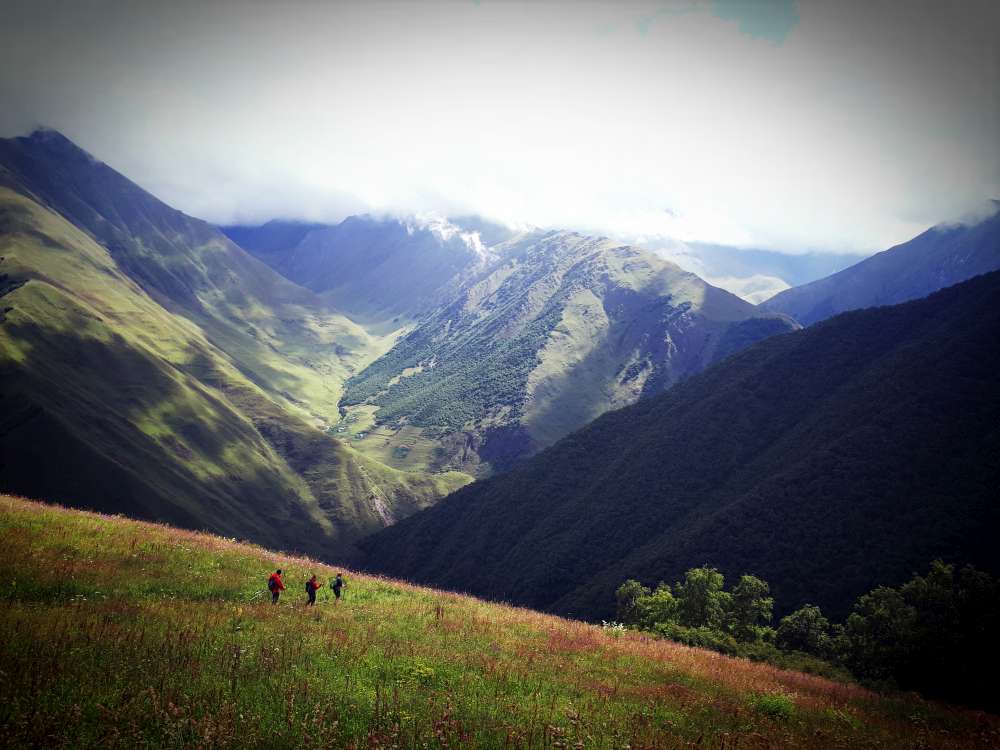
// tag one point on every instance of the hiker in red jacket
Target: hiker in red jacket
(312, 586)
(275, 585)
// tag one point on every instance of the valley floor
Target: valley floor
(116, 633)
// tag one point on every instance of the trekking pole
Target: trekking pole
(256, 595)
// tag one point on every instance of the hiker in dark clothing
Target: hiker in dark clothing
(312, 586)
(275, 586)
(336, 585)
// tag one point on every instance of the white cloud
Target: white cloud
(445, 230)
(754, 289)
(864, 125)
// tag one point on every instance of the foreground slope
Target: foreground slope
(118, 633)
(941, 256)
(826, 461)
(555, 330)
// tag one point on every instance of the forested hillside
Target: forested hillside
(826, 461)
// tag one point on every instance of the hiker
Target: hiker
(336, 585)
(312, 586)
(275, 585)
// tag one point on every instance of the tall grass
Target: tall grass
(124, 634)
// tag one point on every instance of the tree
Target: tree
(750, 608)
(657, 608)
(805, 629)
(879, 634)
(701, 600)
(952, 640)
(627, 596)
(934, 633)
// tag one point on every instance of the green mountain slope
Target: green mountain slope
(200, 411)
(279, 335)
(117, 633)
(938, 258)
(826, 461)
(555, 330)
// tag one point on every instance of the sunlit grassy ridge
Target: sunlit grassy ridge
(120, 633)
(203, 413)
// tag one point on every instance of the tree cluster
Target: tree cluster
(932, 634)
(700, 602)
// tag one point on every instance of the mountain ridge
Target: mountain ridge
(562, 328)
(939, 257)
(182, 378)
(746, 466)
(509, 338)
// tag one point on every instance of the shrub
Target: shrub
(777, 706)
(935, 634)
(702, 637)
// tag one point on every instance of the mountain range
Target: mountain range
(305, 385)
(152, 366)
(754, 274)
(514, 340)
(827, 461)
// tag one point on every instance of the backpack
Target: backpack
(309, 587)
(272, 584)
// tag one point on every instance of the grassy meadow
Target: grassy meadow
(401, 447)
(117, 633)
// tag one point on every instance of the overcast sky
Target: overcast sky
(827, 126)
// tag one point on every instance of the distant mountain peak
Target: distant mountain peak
(52, 140)
(43, 134)
(946, 254)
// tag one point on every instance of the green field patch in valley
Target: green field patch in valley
(401, 446)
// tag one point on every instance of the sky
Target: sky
(794, 126)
